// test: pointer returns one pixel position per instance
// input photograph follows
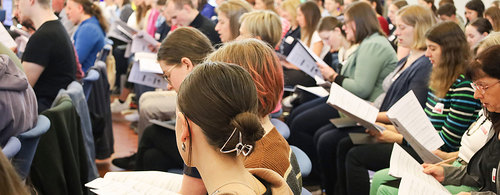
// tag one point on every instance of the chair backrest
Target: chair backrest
(12, 147)
(91, 76)
(303, 160)
(29, 141)
(281, 127)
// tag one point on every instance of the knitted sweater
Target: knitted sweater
(273, 152)
(453, 114)
(366, 68)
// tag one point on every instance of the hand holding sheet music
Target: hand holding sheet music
(141, 42)
(411, 121)
(414, 180)
(354, 107)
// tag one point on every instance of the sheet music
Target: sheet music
(142, 182)
(6, 39)
(318, 91)
(121, 31)
(412, 186)
(354, 107)
(411, 121)
(415, 180)
(163, 180)
(141, 42)
(148, 79)
(301, 57)
(148, 63)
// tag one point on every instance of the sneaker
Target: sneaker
(133, 117)
(127, 163)
(117, 107)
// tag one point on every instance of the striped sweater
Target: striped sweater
(459, 111)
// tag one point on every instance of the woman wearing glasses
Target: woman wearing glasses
(483, 168)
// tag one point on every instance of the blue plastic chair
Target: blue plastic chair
(12, 147)
(305, 192)
(281, 127)
(305, 164)
(29, 142)
(91, 76)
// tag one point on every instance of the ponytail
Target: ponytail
(96, 11)
(93, 10)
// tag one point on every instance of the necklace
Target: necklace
(217, 191)
(476, 127)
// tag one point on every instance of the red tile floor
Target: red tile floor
(125, 144)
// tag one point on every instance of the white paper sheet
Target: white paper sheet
(318, 91)
(148, 63)
(301, 57)
(141, 42)
(411, 121)
(354, 107)
(140, 182)
(148, 79)
(414, 180)
(6, 39)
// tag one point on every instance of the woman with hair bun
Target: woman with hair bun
(89, 37)
(217, 127)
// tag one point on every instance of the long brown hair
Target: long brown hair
(93, 10)
(312, 14)
(455, 55)
(494, 14)
(221, 99)
(141, 11)
(365, 19)
(10, 181)
(233, 9)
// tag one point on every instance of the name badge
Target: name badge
(494, 175)
(438, 108)
(484, 130)
(289, 39)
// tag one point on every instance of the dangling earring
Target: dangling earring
(183, 146)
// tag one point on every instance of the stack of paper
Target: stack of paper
(411, 121)
(354, 107)
(414, 180)
(137, 182)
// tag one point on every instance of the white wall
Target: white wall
(459, 4)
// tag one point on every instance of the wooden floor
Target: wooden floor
(125, 144)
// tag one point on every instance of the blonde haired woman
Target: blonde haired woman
(263, 25)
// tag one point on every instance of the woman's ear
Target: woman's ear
(188, 63)
(184, 127)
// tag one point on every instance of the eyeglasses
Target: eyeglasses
(166, 74)
(480, 88)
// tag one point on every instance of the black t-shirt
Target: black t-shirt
(207, 27)
(51, 48)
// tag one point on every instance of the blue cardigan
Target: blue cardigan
(89, 40)
(414, 78)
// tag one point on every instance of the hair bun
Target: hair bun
(249, 125)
